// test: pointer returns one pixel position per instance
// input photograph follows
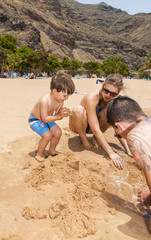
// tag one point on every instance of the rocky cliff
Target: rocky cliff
(85, 32)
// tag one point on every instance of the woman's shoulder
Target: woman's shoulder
(92, 96)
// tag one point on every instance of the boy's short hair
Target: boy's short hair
(123, 109)
(115, 79)
(62, 82)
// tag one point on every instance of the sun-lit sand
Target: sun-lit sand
(76, 195)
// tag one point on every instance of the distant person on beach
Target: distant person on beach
(31, 75)
(90, 116)
(48, 110)
(131, 123)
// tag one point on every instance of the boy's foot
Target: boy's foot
(55, 153)
(40, 158)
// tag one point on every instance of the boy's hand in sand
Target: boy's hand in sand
(64, 112)
(117, 160)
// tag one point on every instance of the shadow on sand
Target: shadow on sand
(139, 226)
(75, 144)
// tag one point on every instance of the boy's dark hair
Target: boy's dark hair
(115, 79)
(125, 109)
(62, 82)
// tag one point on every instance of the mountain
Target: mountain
(82, 31)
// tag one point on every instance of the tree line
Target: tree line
(25, 59)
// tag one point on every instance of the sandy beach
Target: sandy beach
(78, 195)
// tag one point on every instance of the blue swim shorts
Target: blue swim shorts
(39, 126)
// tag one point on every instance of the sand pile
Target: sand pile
(70, 213)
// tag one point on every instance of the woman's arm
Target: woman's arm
(95, 128)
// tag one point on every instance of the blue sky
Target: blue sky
(130, 6)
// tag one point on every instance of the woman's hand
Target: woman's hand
(117, 160)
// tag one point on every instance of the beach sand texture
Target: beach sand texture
(78, 195)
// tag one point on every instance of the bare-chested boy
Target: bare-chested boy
(48, 110)
(129, 121)
(90, 116)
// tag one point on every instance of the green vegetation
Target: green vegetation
(8, 42)
(3, 60)
(71, 66)
(91, 68)
(24, 59)
(53, 65)
(114, 65)
(13, 60)
(145, 65)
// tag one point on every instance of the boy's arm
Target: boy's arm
(95, 127)
(47, 116)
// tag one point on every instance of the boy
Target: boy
(48, 110)
(130, 122)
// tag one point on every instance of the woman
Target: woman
(90, 116)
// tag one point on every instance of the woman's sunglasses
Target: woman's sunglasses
(106, 91)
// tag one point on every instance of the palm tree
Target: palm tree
(146, 64)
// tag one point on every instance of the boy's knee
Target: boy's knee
(58, 133)
(48, 136)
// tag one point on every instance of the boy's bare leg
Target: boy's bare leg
(45, 138)
(78, 123)
(56, 135)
